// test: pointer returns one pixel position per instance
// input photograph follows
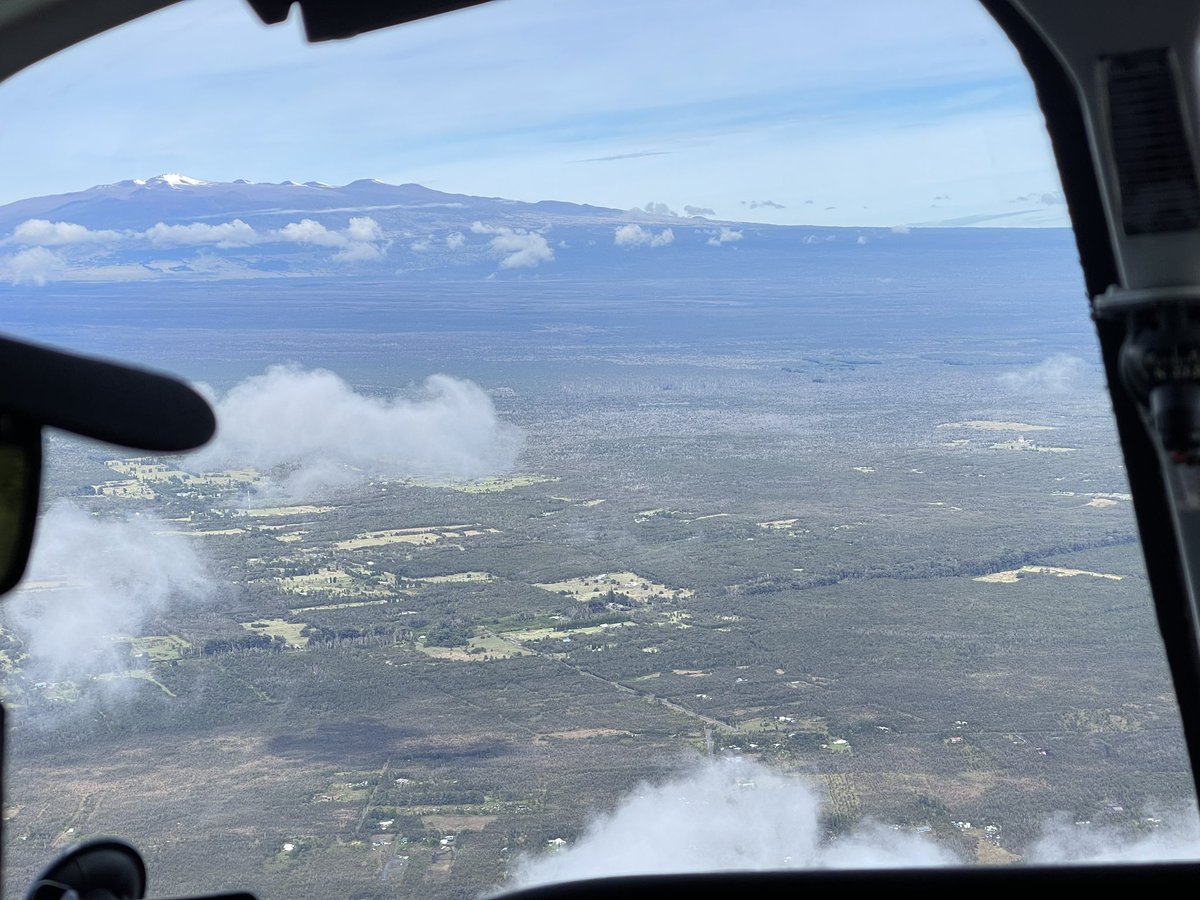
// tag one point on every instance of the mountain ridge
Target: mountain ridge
(173, 197)
(176, 226)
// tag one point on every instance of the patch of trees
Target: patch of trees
(602, 616)
(249, 641)
(448, 633)
(610, 601)
(809, 741)
(943, 567)
(379, 635)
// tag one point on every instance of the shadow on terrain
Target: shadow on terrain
(362, 741)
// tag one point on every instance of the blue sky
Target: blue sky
(856, 113)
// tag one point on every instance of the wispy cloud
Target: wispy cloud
(1047, 198)
(1171, 835)
(724, 236)
(658, 209)
(113, 576)
(1057, 374)
(928, 85)
(360, 251)
(618, 156)
(762, 204)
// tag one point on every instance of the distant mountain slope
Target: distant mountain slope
(178, 227)
(178, 198)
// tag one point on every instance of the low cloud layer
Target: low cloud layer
(723, 815)
(762, 204)
(227, 234)
(637, 236)
(1173, 836)
(91, 579)
(316, 431)
(728, 814)
(699, 211)
(40, 232)
(515, 247)
(362, 240)
(1057, 374)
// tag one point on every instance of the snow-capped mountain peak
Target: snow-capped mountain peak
(171, 179)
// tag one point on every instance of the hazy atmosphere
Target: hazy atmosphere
(871, 113)
(627, 460)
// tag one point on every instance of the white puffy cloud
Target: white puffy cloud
(724, 236)
(516, 247)
(730, 814)
(723, 815)
(361, 232)
(364, 228)
(422, 245)
(361, 241)
(35, 265)
(227, 234)
(309, 231)
(521, 249)
(455, 240)
(317, 431)
(637, 236)
(41, 232)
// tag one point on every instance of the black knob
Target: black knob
(103, 869)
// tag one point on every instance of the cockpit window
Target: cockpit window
(651, 438)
